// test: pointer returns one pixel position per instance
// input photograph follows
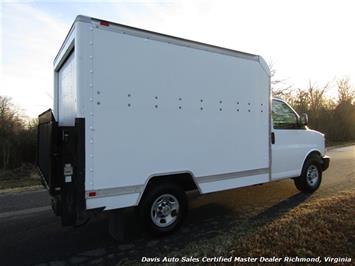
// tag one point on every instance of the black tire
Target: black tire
(311, 176)
(155, 198)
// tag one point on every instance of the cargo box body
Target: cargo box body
(159, 105)
(140, 118)
(132, 105)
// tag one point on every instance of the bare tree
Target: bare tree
(345, 92)
(278, 86)
(316, 96)
(10, 127)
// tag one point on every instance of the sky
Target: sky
(304, 40)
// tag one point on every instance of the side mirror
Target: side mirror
(304, 119)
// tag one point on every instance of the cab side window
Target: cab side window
(283, 116)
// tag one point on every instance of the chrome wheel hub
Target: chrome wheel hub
(165, 210)
(312, 175)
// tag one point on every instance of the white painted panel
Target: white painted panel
(291, 149)
(139, 129)
(67, 92)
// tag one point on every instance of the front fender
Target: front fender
(323, 160)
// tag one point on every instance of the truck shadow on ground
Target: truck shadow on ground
(203, 224)
(282, 207)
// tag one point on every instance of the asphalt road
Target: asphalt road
(31, 234)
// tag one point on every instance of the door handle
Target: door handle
(272, 138)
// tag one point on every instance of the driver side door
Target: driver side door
(288, 141)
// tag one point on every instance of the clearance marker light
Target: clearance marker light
(104, 23)
(92, 194)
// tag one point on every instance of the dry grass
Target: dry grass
(323, 227)
(317, 227)
(24, 176)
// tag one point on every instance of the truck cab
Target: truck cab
(294, 145)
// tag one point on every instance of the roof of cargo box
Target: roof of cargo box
(170, 39)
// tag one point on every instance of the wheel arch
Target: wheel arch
(308, 155)
(185, 179)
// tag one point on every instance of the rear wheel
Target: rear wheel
(311, 176)
(163, 208)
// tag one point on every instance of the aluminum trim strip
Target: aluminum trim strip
(123, 29)
(213, 178)
(147, 34)
(117, 191)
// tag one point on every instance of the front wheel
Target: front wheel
(163, 208)
(311, 176)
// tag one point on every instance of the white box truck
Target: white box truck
(140, 118)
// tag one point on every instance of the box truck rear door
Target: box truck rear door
(67, 93)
